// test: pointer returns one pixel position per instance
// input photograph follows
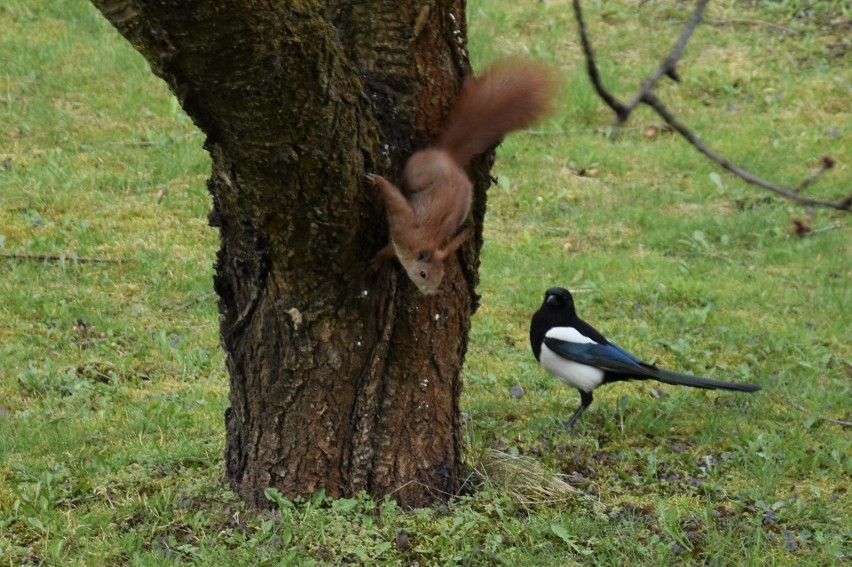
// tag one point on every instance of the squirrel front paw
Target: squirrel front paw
(378, 181)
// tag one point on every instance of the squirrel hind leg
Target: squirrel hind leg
(381, 257)
(452, 245)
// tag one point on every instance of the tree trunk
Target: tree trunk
(341, 378)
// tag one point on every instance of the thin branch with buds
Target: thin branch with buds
(668, 67)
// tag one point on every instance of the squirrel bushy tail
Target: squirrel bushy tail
(510, 95)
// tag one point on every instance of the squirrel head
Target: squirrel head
(426, 270)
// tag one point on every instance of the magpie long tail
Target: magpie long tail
(679, 379)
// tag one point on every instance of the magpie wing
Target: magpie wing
(609, 357)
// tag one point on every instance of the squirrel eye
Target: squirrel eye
(423, 275)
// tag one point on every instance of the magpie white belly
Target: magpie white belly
(580, 376)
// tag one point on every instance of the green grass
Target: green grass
(112, 387)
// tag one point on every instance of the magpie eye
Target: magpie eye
(423, 275)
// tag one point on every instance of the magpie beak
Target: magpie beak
(579, 356)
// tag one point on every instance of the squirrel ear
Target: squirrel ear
(456, 241)
(424, 256)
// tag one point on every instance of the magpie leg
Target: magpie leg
(585, 401)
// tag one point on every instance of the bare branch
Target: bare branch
(791, 193)
(668, 65)
(645, 96)
(592, 68)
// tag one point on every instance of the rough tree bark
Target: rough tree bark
(341, 379)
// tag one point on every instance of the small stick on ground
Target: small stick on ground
(828, 419)
(749, 22)
(194, 300)
(61, 258)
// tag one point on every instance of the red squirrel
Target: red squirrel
(424, 218)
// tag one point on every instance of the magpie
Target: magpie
(579, 356)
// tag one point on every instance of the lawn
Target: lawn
(113, 385)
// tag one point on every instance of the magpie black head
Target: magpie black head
(559, 299)
(557, 310)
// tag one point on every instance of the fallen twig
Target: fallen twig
(827, 228)
(645, 96)
(61, 258)
(601, 131)
(747, 21)
(89, 342)
(195, 300)
(828, 419)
